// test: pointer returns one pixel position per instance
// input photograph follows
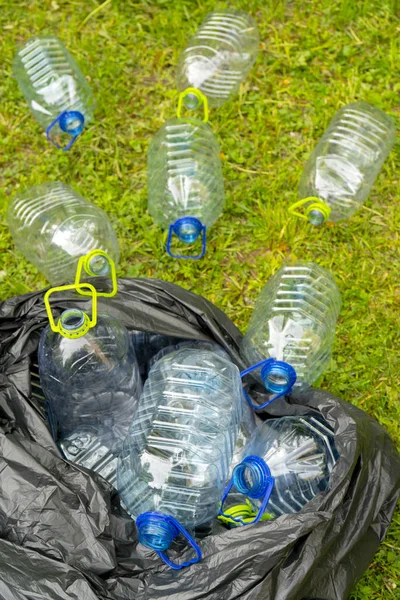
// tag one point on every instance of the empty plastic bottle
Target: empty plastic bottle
(293, 327)
(340, 173)
(176, 458)
(185, 184)
(285, 464)
(54, 87)
(53, 226)
(219, 56)
(182, 344)
(88, 373)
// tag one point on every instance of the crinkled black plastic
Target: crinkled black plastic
(63, 534)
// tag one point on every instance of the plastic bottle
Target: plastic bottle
(54, 87)
(285, 464)
(340, 173)
(185, 184)
(176, 457)
(53, 226)
(88, 372)
(219, 55)
(148, 344)
(292, 328)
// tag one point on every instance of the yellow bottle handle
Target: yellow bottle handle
(87, 324)
(243, 511)
(84, 265)
(199, 95)
(311, 203)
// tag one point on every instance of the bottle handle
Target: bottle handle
(269, 486)
(310, 204)
(62, 120)
(84, 265)
(268, 367)
(87, 324)
(173, 230)
(180, 529)
(203, 101)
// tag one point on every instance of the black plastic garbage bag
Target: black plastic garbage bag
(64, 535)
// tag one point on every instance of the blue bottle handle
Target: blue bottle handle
(173, 529)
(267, 487)
(266, 366)
(62, 120)
(174, 229)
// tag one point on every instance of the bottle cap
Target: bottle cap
(97, 263)
(73, 322)
(192, 98)
(315, 212)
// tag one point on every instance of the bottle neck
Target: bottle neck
(156, 531)
(278, 377)
(72, 122)
(251, 477)
(187, 229)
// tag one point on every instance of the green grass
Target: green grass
(316, 55)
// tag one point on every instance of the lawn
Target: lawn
(315, 56)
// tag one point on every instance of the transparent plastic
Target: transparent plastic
(94, 449)
(91, 381)
(176, 457)
(53, 226)
(185, 184)
(347, 160)
(53, 85)
(294, 321)
(299, 454)
(219, 55)
(147, 344)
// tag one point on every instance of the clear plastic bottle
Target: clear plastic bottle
(53, 226)
(219, 55)
(54, 87)
(92, 380)
(185, 183)
(340, 173)
(293, 325)
(285, 464)
(148, 344)
(176, 458)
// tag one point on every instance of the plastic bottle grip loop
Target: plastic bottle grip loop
(84, 324)
(260, 486)
(86, 263)
(312, 204)
(157, 530)
(64, 121)
(197, 94)
(187, 230)
(278, 377)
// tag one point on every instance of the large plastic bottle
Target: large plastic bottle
(219, 55)
(185, 184)
(285, 464)
(176, 457)
(53, 226)
(54, 87)
(148, 344)
(293, 325)
(340, 173)
(89, 375)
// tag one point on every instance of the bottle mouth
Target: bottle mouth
(192, 101)
(72, 122)
(72, 319)
(99, 265)
(278, 377)
(156, 531)
(251, 477)
(188, 229)
(316, 217)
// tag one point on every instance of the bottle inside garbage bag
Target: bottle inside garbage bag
(88, 372)
(175, 462)
(219, 55)
(289, 339)
(285, 464)
(53, 226)
(55, 88)
(147, 344)
(340, 173)
(185, 184)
